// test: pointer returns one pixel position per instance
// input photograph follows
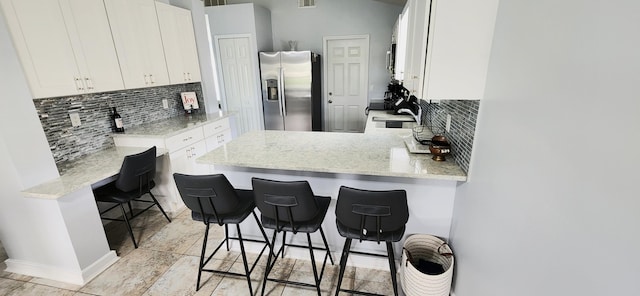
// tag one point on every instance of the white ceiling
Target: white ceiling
(396, 2)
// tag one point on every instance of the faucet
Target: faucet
(413, 108)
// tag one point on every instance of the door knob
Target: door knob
(330, 101)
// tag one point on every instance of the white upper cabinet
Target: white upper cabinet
(97, 58)
(179, 42)
(135, 30)
(459, 46)
(65, 46)
(443, 47)
(416, 16)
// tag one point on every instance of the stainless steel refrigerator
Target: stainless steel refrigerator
(291, 90)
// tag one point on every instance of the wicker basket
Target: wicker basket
(430, 248)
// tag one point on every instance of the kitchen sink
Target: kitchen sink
(404, 118)
(405, 124)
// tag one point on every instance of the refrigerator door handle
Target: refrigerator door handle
(279, 91)
(282, 98)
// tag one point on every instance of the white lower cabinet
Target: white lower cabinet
(217, 134)
(218, 139)
(183, 149)
(183, 161)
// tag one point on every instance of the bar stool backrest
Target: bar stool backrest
(286, 202)
(209, 195)
(372, 212)
(137, 171)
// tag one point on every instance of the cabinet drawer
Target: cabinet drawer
(218, 140)
(184, 139)
(216, 127)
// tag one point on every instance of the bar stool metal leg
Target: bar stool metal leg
(267, 268)
(160, 207)
(130, 209)
(313, 264)
(324, 239)
(126, 221)
(204, 248)
(264, 234)
(392, 267)
(343, 263)
(226, 235)
(284, 242)
(244, 260)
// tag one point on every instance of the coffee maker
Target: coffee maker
(395, 91)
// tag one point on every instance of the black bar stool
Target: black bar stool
(370, 216)
(291, 206)
(134, 181)
(211, 198)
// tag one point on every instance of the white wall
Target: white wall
(336, 18)
(553, 205)
(263, 28)
(231, 19)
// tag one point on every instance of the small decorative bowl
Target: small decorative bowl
(439, 148)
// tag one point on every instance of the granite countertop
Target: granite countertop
(171, 126)
(371, 153)
(86, 171)
(102, 165)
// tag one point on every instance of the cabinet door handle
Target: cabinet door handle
(88, 82)
(146, 81)
(151, 78)
(78, 82)
(189, 75)
(184, 76)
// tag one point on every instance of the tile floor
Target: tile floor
(166, 264)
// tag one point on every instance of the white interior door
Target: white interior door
(240, 82)
(347, 75)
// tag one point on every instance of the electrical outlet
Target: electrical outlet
(75, 119)
(448, 124)
(165, 103)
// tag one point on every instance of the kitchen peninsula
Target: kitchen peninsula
(366, 154)
(370, 160)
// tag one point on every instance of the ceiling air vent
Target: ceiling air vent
(306, 3)
(215, 2)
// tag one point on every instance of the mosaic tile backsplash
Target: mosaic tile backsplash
(464, 114)
(136, 106)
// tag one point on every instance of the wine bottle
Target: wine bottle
(118, 126)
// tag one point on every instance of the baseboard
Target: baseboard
(99, 266)
(76, 277)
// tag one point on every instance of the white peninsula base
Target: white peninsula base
(430, 208)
